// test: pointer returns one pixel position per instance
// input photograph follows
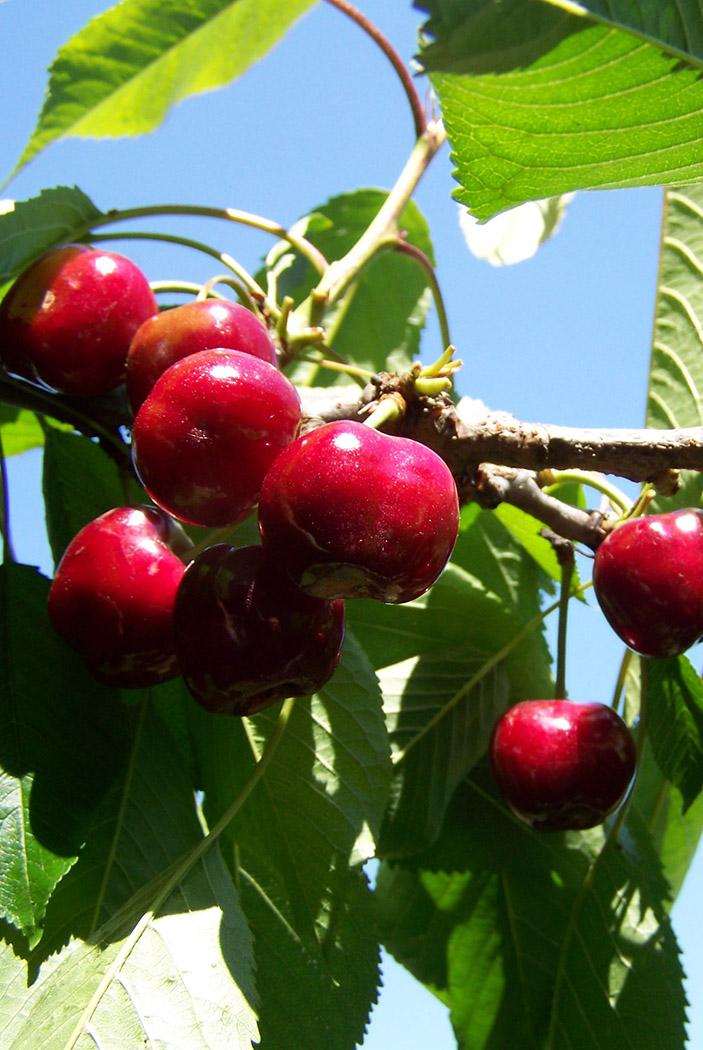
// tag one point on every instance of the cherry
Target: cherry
(209, 430)
(648, 579)
(113, 592)
(354, 513)
(202, 325)
(560, 764)
(69, 318)
(246, 638)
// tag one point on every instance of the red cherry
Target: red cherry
(69, 318)
(354, 513)
(245, 638)
(113, 593)
(208, 432)
(562, 765)
(203, 325)
(648, 579)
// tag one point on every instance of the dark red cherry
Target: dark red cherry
(209, 430)
(562, 765)
(69, 318)
(113, 592)
(246, 638)
(351, 512)
(648, 579)
(203, 325)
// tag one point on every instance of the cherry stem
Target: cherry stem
(394, 58)
(361, 374)
(610, 840)
(387, 410)
(565, 553)
(23, 394)
(7, 551)
(621, 679)
(404, 247)
(342, 272)
(554, 478)
(248, 290)
(485, 668)
(244, 218)
(184, 287)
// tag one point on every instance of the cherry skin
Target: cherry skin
(69, 318)
(648, 579)
(113, 593)
(354, 513)
(202, 325)
(246, 638)
(562, 765)
(209, 430)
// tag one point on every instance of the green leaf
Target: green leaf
(675, 723)
(35, 225)
(657, 803)
(80, 481)
(317, 810)
(323, 797)
(426, 653)
(675, 396)
(536, 940)
(183, 976)
(124, 71)
(168, 978)
(378, 322)
(675, 833)
(20, 430)
(307, 999)
(63, 740)
(541, 98)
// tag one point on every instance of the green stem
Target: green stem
(184, 287)
(388, 409)
(594, 481)
(627, 658)
(362, 374)
(23, 394)
(565, 554)
(394, 58)
(7, 550)
(405, 248)
(248, 288)
(342, 272)
(492, 662)
(611, 839)
(244, 218)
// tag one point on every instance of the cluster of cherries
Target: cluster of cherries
(344, 511)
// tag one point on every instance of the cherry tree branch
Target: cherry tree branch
(494, 457)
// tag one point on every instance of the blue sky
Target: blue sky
(563, 338)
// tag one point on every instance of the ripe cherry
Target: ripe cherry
(209, 430)
(560, 764)
(246, 638)
(202, 325)
(648, 579)
(69, 318)
(351, 512)
(113, 592)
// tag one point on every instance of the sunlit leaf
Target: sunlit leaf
(124, 71)
(540, 99)
(35, 225)
(63, 739)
